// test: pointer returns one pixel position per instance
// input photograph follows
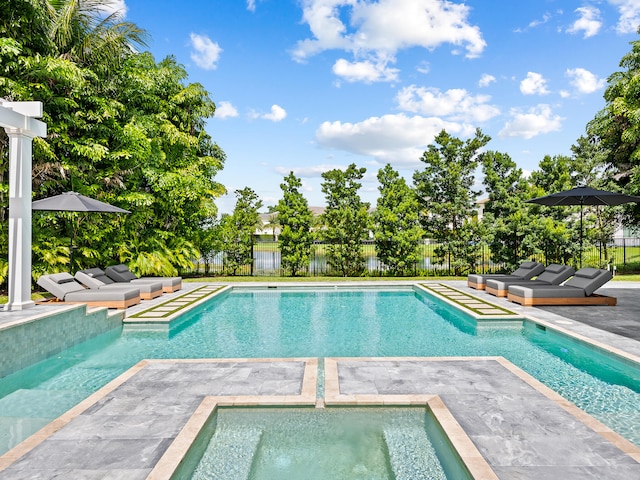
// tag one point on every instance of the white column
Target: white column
(20, 147)
(19, 121)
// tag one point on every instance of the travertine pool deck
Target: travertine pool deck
(504, 423)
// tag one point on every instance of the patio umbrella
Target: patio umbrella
(74, 202)
(584, 196)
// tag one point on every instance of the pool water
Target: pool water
(341, 322)
(316, 444)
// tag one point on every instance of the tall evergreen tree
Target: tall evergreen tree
(295, 220)
(346, 220)
(447, 201)
(509, 227)
(397, 231)
(237, 230)
(558, 232)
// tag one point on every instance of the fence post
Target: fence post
(252, 258)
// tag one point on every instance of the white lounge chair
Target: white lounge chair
(96, 279)
(65, 288)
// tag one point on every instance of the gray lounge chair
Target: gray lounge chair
(526, 271)
(554, 274)
(65, 288)
(96, 279)
(577, 291)
(122, 274)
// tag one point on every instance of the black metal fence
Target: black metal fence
(620, 255)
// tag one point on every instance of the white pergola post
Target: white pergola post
(17, 118)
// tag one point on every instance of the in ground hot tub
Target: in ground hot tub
(347, 443)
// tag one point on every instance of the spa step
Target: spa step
(230, 454)
(411, 454)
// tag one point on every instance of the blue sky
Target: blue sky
(311, 85)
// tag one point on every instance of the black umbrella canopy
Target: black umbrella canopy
(584, 196)
(74, 202)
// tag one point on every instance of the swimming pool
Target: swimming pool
(324, 322)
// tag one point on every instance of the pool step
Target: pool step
(229, 455)
(411, 454)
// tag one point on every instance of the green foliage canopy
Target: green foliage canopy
(397, 232)
(296, 220)
(121, 128)
(447, 201)
(346, 220)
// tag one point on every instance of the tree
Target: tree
(447, 201)
(162, 155)
(82, 32)
(506, 217)
(617, 125)
(295, 219)
(346, 220)
(122, 128)
(236, 230)
(397, 224)
(600, 222)
(557, 227)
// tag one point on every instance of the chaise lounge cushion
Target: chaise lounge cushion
(122, 274)
(526, 270)
(96, 279)
(583, 284)
(554, 274)
(67, 289)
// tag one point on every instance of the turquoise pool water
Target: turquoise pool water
(321, 323)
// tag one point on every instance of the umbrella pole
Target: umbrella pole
(71, 247)
(580, 262)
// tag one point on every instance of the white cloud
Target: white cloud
(114, 6)
(545, 18)
(629, 15)
(277, 114)
(225, 110)
(381, 28)
(536, 121)
(424, 67)
(457, 103)
(251, 5)
(398, 139)
(486, 80)
(534, 84)
(366, 71)
(588, 22)
(584, 81)
(206, 53)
